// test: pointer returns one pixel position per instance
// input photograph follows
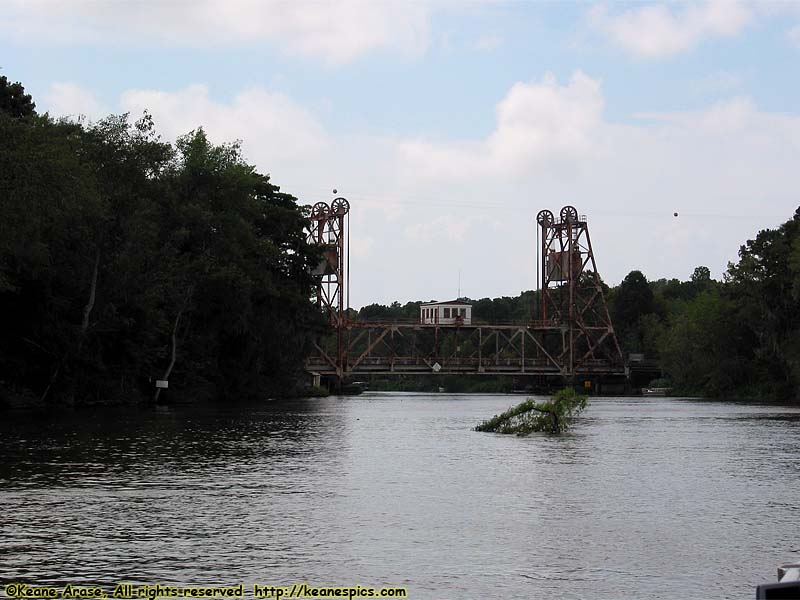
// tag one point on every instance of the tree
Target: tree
(14, 101)
(374, 312)
(48, 193)
(701, 275)
(631, 300)
(238, 272)
(766, 284)
(706, 350)
(124, 260)
(699, 282)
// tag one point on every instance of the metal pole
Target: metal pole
(545, 233)
(571, 300)
(538, 283)
(480, 349)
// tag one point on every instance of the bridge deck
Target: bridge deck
(413, 348)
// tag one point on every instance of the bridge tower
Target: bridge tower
(572, 296)
(328, 229)
(573, 336)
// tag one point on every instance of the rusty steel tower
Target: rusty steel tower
(328, 229)
(573, 336)
(572, 298)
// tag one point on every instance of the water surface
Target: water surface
(645, 498)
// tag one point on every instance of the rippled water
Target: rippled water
(655, 498)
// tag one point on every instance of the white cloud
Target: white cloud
(489, 41)
(720, 82)
(536, 122)
(794, 35)
(360, 247)
(730, 116)
(658, 31)
(65, 98)
(277, 134)
(453, 229)
(728, 170)
(271, 126)
(336, 32)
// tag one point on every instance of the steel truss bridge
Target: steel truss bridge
(574, 338)
(392, 348)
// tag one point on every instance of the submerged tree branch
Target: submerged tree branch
(553, 416)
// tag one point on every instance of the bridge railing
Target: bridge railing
(401, 364)
(474, 323)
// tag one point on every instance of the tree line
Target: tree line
(736, 337)
(125, 260)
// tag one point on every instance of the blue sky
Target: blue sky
(448, 125)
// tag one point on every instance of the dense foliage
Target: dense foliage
(552, 416)
(124, 259)
(735, 337)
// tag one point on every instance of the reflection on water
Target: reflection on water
(655, 498)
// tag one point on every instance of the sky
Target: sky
(449, 124)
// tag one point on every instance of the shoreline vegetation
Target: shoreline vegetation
(736, 338)
(125, 260)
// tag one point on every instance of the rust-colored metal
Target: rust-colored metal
(382, 347)
(327, 229)
(572, 296)
(573, 335)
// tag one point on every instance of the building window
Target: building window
(446, 313)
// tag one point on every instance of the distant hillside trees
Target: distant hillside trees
(739, 337)
(735, 337)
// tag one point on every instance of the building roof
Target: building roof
(458, 302)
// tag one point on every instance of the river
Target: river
(644, 498)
